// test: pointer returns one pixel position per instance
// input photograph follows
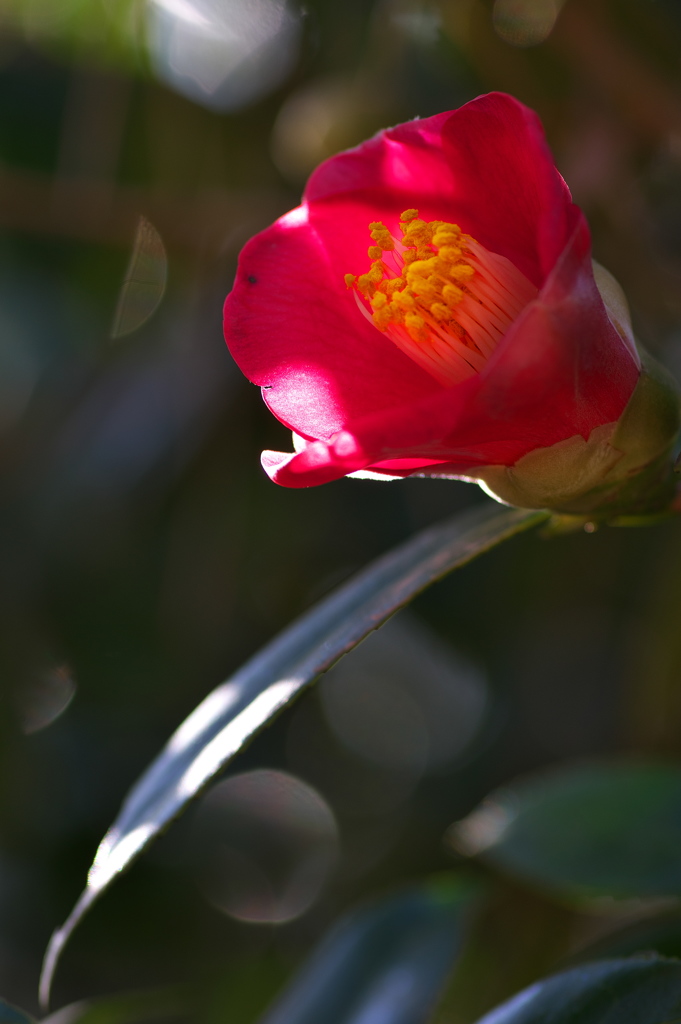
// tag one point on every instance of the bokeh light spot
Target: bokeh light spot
(266, 843)
(223, 54)
(145, 280)
(525, 22)
(405, 699)
(46, 698)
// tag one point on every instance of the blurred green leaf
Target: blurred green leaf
(387, 962)
(600, 830)
(643, 990)
(10, 1015)
(231, 715)
(108, 30)
(248, 984)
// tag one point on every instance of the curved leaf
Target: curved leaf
(223, 723)
(596, 830)
(386, 964)
(642, 990)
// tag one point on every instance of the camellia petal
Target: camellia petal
(411, 384)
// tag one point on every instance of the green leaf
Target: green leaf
(598, 830)
(108, 32)
(660, 934)
(388, 962)
(231, 715)
(11, 1015)
(642, 990)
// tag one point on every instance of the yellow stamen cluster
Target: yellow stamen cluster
(429, 288)
(439, 295)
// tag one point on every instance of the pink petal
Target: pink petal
(294, 328)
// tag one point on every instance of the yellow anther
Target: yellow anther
(462, 272)
(419, 268)
(450, 252)
(381, 235)
(452, 295)
(376, 272)
(374, 252)
(366, 285)
(446, 234)
(403, 300)
(349, 280)
(426, 292)
(419, 271)
(379, 301)
(382, 319)
(409, 215)
(417, 233)
(448, 242)
(416, 326)
(440, 311)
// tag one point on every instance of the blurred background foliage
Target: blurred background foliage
(145, 555)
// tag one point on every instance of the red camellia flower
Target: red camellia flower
(431, 308)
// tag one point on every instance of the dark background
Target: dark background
(144, 554)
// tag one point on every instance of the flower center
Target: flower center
(439, 295)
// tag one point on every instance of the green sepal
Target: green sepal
(624, 469)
